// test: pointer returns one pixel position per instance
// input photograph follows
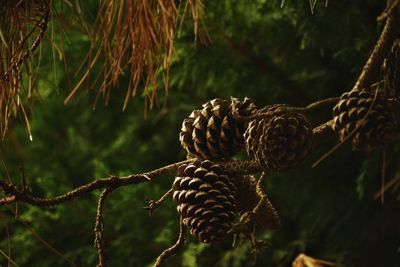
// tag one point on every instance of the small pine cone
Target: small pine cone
(213, 132)
(252, 198)
(373, 120)
(391, 69)
(279, 141)
(206, 197)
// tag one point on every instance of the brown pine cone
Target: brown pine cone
(370, 118)
(206, 197)
(279, 141)
(213, 132)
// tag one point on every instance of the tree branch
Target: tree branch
(371, 70)
(112, 181)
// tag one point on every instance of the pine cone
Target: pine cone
(373, 120)
(206, 199)
(213, 132)
(280, 140)
(391, 69)
(252, 198)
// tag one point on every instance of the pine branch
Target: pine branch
(112, 181)
(371, 70)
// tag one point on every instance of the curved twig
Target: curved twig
(174, 248)
(155, 204)
(321, 103)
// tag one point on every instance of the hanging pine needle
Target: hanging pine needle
(135, 39)
(22, 28)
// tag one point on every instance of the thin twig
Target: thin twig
(9, 246)
(155, 204)
(391, 7)
(9, 260)
(112, 181)
(321, 103)
(383, 174)
(23, 178)
(98, 228)
(173, 249)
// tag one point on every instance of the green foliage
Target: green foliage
(258, 49)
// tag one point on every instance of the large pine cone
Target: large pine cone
(206, 199)
(373, 120)
(392, 70)
(280, 140)
(252, 198)
(213, 132)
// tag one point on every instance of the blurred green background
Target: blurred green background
(270, 54)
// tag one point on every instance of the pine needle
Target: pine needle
(136, 39)
(22, 28)
(383, 174)
(8, 259)
(393, 184)
(43, 241)
(312, 5)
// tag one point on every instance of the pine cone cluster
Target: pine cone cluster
(280, 140)
(213, 132)
(368, 116)
(206, 197)
(392, 70)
